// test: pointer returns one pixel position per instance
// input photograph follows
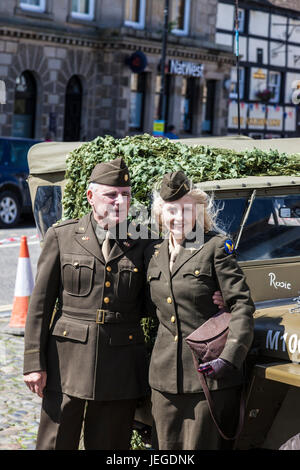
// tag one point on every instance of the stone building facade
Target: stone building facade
(65, 67)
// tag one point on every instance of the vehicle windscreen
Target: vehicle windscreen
(272, 229)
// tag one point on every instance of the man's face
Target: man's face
(110, 204)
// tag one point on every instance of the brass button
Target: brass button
(149, 277)
(197, 272)
(76, 264)
(108, 268)
(130, 337)
(126, 177)
(107, 284)
(65, 333)
(176, 338)
(173, 319)
(169, 300)
(135, 270)
(106, 300)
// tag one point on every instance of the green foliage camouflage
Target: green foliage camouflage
(149, 158)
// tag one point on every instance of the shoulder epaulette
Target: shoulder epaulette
(62, 223)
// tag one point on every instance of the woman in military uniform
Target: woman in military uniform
(184, 271)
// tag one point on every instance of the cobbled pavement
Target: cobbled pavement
(19, 408)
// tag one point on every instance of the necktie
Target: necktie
(106, 247)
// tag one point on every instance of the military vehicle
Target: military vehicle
(262, 214)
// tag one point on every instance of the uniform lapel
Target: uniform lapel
(161, 255)
(86, 237)
(185, 254)
(120, 247)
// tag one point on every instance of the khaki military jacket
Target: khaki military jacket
(183, 302)
(94, 348)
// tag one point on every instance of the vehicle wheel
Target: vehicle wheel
(10, 209)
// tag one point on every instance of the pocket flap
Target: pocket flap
(77, 260)
(198, 271)
(153, 273)
(126, 337)
(71, 330)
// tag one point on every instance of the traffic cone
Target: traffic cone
(23, 290)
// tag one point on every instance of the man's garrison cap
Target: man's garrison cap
(174, 186)
(112, 173)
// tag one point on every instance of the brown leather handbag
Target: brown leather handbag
(206, 343)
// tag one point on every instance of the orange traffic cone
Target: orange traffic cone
(23, 289)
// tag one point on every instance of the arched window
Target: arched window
(73, 103)
(25, 106)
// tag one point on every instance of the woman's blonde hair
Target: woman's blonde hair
(208, 215)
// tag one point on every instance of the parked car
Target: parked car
(14, 190)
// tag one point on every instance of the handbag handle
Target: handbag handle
(211, 406)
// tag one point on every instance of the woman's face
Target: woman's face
(179, 217)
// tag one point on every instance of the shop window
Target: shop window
(274, 84)
(73, 103)
(187, 91)
(24, 106)
(158, 98)
(233, 93)
(135, 13)
(33, 5)
(179, 16)
(83, 9)
(137, 95)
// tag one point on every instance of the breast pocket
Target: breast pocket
(77, 274)
(153, 280)
(129, 283)
(201, 283)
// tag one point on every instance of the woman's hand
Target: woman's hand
(216, 369)
(218, 299)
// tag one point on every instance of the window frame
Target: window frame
(39, 9)
(185, 30)
(141, 23)
(84, 16)
(276, 87)
(241, 20)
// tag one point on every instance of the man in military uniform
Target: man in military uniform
(93, 351)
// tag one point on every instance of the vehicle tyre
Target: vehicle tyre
(10, 209)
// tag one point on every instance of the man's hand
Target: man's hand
(36, 381)
(218, 299)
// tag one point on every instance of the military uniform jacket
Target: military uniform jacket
(183, 302)
(94, 348)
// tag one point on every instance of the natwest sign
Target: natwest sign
(180, 67)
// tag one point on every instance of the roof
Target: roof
(50, 157)
(250, 182)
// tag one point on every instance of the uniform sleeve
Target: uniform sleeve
(237, 296)
(42, 304)
(149, 308)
